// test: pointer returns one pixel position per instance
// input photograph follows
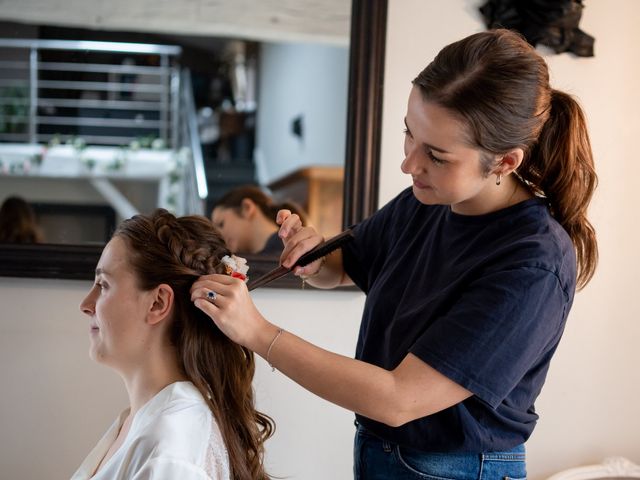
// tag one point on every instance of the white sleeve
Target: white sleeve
(164, 468)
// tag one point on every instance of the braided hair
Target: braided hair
(163, 248)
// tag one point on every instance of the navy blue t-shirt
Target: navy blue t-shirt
(482, 299)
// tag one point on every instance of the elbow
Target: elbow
(397, 417)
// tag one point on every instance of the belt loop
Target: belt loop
(386, 446)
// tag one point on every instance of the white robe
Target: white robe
(173, 436)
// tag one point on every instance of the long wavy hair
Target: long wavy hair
(498, 86)
(176, 251)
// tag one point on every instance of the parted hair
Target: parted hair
(165, 249)
(498, 87)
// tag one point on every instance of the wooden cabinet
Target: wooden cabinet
(319, 190)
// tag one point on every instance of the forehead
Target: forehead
(432, 122)
(114, 258)
(220, 213)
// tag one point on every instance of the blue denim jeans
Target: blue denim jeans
(378, 459)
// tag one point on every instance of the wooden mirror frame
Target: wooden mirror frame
(364, 119)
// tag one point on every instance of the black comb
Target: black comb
(325, 248)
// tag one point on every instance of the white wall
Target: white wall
(305, 80)
(588, 407)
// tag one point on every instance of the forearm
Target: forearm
(411, 390)
(352, 384)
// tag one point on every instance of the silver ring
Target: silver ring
(211, 296)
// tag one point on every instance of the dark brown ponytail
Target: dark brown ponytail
(561, 166)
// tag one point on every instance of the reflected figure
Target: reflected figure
(246, 217)
(18, 222)
(192, 413)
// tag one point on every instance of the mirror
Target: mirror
(366, 58)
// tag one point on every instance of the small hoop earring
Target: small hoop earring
(498, 179)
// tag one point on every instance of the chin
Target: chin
(425, 196)
(93, 355)
(97, 355)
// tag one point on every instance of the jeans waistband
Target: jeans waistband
(516, 453)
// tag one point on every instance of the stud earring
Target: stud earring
(498, 178)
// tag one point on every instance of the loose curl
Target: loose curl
(176, 251)
(498, 86)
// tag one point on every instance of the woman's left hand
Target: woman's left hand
(231, 308)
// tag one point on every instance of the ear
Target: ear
(162, 304)
(248, 208)
(509, 162)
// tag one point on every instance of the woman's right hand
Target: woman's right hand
(297, 240)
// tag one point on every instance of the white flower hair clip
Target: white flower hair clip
(236, 267)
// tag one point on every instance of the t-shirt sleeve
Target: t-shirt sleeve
(363, 257)
(503, 324)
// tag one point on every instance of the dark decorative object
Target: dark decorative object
(553, 23)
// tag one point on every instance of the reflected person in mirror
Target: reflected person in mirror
(191, 412)
(246, 217)
(469, 274)
(18, 222)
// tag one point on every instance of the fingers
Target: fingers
(282, 215)
(289, 223)
(221, 285)
(207, 307)
(218, 279)
(231, 308)
(299, 244)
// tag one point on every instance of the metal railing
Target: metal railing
(195, 182)
(108, 93)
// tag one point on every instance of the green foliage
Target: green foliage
(14, 109)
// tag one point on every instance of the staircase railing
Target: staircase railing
(108, 93)
(105, 93)
(195, 182)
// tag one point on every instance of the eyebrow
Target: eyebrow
(426, 145)
(101, 271)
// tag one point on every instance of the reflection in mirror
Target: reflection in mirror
(106, 129)
(100, 132)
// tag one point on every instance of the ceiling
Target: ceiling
(323, 21)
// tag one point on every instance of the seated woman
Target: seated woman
(18, 222)
(191, 413)
(246, 216)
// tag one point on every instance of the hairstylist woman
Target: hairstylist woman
(469, 274)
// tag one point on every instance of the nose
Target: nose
(410, 164)
(88, 305)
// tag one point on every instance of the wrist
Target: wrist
(322, 261)
(271, 345)
(263, 338)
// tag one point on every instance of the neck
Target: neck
(151, 375)
(263, 228)
(495, 197)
